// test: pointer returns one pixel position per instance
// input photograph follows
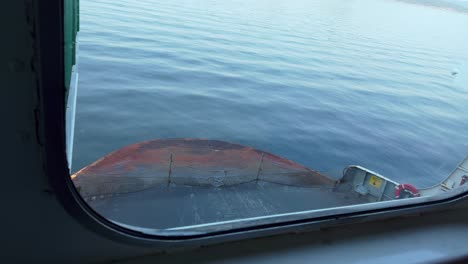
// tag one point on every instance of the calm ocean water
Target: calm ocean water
(326, 83)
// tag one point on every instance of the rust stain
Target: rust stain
(191, 162)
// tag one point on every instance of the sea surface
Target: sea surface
(325, 83)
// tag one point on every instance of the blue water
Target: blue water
(326, 83)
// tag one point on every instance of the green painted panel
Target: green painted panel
(73, 32)
(78, 15)
(68, 33)
(70, 27)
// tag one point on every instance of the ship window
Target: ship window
(201, 116)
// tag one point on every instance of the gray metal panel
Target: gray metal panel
(389, 192)
(375, 190)
(373, 186)
(359, 177)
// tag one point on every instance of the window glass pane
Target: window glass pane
(195, 112)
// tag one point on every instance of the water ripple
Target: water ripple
(324, 83)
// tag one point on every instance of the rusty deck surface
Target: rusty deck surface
(191, 162)
(172, 182)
